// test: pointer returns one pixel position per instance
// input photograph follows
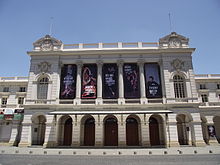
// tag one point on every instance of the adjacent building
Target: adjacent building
(111, 94)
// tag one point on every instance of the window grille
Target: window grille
(42, 88)
(179, 86)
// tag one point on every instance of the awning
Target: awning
(109, 112)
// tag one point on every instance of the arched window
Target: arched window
(179, 86)
(42, 88)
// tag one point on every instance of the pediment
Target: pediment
(174, 40)
(47, 43)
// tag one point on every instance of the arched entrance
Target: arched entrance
(216, 121)
(132, 138)
(38, 130)
(67, 137)
(154, 131)
(111, 132)
(182, 129)
(89, 132)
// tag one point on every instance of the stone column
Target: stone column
(172, 134)
(145, 131)
(50, 132)
(78, 83)
(197, 136)
(142, 82)
(121, 131)
(75, 131)
(121, 99)
(162, 77)
(99, 83)
(26, 132)
(99, 130)
(14, 133)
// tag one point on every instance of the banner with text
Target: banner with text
(110, 81)
(89, 83)
(68, 82)
(152, 79)
(131, 81)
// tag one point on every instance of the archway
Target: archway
(132, 137)
(216, 121)
(182, 129)
(154, 131)
(111, 132)
(38, 130)
(89, 132)
(67, 137)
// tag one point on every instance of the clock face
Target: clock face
(174, 42)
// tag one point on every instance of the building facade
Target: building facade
(111, 94)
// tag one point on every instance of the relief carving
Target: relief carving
(44, 67)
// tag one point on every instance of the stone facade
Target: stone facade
(155, 99)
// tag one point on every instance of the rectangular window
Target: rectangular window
(22, 89)
(68, 81)
(89, 81)
(110, 81)
(204, 98)
(21, 100)
(218, 86)
(6, 89)
(131, 81)
(152, 79)
(4, 101)
(202, 86)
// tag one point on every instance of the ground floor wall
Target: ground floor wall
(115, 130)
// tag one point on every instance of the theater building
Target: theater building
(111, 94)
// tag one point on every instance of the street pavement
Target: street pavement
(213, 159)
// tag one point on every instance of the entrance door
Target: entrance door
(154, 132)
(132, 138)
(111, 132)
(89, 132)
(67, 132)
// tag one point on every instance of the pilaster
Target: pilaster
(99, 130)
(14, 133)
(99, 83)
(121, 131)
(50, 132)
(78, 83)
(142, 82)
(121, 99)
(172, 134)
(75, 131)
(26, 132)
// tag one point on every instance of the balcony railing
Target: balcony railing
(110, 45)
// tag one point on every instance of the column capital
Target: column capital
(160, 62)
(120, 62)
(141, 61)
(99, 62)
(79, 63)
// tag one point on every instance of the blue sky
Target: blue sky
(91, 21)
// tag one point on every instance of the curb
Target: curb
(111, 152)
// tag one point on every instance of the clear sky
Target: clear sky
(91, 21)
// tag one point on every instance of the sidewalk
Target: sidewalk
(111, 151)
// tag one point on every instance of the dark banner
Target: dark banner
(211, 130)
(152, 79)
(89, 83)
(110, 81)
(131, 81)
(68, 82)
